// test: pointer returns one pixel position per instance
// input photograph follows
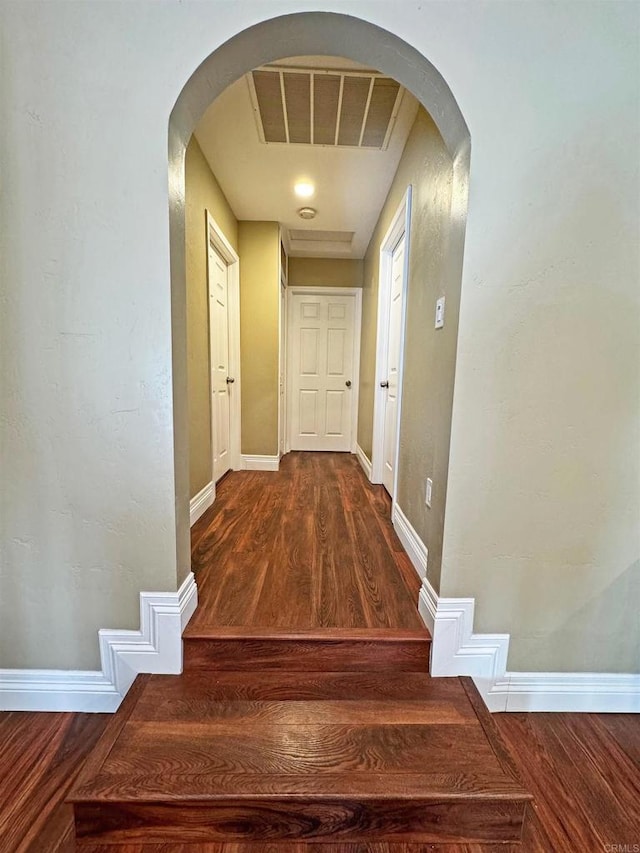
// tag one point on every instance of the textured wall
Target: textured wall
(325, 272)
(259, 250)
(202, 193)
(430, 354)
(544, 486)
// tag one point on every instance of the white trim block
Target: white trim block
(364, 461)
(260, 463)
(456, 650)
(156, 647)
(201, 503)
(411, 542)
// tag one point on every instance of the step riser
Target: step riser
(463, 821)
(244, 654)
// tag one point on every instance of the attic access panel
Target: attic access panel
(353, 109)
(312, 242)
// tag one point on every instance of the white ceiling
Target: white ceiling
(258, 178)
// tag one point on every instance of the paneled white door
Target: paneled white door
(221, 382)
(321, 363)
(393, 366)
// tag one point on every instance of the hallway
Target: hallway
(309, 547)
(305, 712)
(209, 645)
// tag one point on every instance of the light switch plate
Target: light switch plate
(440, 313)
(428, 491)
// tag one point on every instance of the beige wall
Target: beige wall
(325, 272)
(202, 193)
(429, 353)
(257, 244)
(259, 250)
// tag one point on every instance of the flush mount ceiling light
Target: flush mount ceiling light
(307, 212)
(304, 189)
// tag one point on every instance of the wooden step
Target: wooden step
(334, 649)
(239, 756)
(275, 684)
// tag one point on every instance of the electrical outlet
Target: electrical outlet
(428, 491)
(440, 313)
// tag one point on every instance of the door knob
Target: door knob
(384, 384)
(230, 381)
(348, 383)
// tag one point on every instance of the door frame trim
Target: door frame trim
(283, 339)
(283, 342)
(400, 225)
(217, 239)
(319, 290)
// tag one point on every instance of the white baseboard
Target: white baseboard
(364, 461)
(456, 650)
(156, 648)
(593, 692)
(201, 502)
(260, 463)
(411, 542)
(57, 690)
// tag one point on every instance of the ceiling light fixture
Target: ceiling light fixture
(307, 212)
(304, 189)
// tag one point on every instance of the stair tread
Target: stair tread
(273, 755)
(168, 697)
(185, 740)
(291, 712)
(188, 751)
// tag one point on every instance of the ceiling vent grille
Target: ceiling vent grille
(324, 107)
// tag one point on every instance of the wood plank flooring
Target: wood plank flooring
(576, 788)
(584, 772)
(309, 547)
(306, 721)
(40, 755)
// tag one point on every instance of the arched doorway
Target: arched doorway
(312, 33)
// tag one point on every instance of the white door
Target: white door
(393, 366)
(321, 360)
(219, 347)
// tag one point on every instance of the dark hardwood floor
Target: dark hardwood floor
(584, 773)
(306, 709)
(40, 756)
(309, 547)
(582, 769)
(305, 712)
